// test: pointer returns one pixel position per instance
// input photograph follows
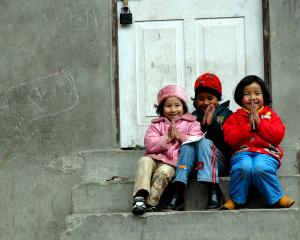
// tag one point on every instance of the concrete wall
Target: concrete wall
(56, 100)
(285, 70)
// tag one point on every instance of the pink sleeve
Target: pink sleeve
(155, 142)
(194, 130)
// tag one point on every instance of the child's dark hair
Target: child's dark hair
(239, 90)
(160, 108)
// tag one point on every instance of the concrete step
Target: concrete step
(104, 164)
(116, 195)
(246, 224)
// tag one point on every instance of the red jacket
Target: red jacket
(265, 139)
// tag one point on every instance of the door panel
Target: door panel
(171, 42)
(160, 61)
(220, 46)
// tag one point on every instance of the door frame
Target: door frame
(115, 57)
(266, 44)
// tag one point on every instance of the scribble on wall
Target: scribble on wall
(83, 15)
(41, 97)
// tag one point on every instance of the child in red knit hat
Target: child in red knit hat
(210, 153)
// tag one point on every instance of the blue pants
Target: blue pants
(254, 169)
(208, 161)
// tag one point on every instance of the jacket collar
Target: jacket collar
(187, 116)
(220, 107)
(225, 104)
(244, 111)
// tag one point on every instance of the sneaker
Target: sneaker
(285, 202)
(215, 197)
(176, 204)
(150, 208)
(139, 206)
(230, 205)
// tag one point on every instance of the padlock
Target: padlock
(125, 15)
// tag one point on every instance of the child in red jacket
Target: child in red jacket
(254, 133)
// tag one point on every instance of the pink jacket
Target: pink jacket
(157, 133)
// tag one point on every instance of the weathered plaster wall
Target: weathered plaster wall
(285, 69)
(56, 100)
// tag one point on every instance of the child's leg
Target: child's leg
(184, 167)
(160, 179)
(240, 176)
(223, 165)
(209, 161)
(185, 163)
(144, 169)
(265, 178)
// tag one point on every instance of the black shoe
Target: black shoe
(176, 203)
(215, 197)
(150, 208)
(139, 206)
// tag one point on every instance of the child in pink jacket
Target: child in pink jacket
(162, 143)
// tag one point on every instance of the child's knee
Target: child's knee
(204, 143)
(263, 171)
(242, 170)
(262, 168)
(187, 148)
(144, 161)
(165, 172)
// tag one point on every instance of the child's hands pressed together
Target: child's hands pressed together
(173, 132)
(170, 133)
(208, 115)
(177, 135)
(254, 118)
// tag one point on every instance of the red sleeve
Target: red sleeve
(236, 131)
(272, 129)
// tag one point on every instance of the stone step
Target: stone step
(116, 195)
(244, 224)
(105, 164)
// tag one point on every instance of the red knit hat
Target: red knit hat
(171, 91)
(208, 82)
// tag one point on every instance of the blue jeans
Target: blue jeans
(209, 162)
(254, 169)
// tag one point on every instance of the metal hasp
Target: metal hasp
(125, 15)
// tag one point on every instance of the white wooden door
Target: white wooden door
(174, 41)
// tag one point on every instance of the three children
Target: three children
(251, 138)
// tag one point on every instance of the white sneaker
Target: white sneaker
(139, 206)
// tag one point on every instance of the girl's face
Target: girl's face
(252, 92)
(173, 108)
(204, 99)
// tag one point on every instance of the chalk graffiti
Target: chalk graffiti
(68, 165)
(41, 97)
(83, 15)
